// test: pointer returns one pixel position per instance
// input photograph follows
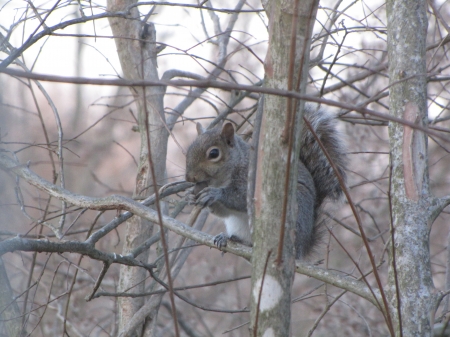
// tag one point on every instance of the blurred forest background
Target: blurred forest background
(101, 146)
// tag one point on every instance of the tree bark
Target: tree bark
(10, 315)
(410, 268)
(271, 279)
(136, 47)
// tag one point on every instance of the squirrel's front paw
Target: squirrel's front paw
(189, 196)
(208, 196)
(192, 192)
(220, 240)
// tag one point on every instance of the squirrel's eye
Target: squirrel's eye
(214, 154)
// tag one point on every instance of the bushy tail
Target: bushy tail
(325, 181)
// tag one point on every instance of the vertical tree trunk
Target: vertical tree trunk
(409, 190)
(270, 306)
(136, 46)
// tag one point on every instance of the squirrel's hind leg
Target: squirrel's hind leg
(221, 240)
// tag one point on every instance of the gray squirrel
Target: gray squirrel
(217, 162)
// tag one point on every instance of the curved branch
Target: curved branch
(171, 73)
(165, 191)
(437, 206)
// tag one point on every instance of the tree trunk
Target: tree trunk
(270, 306)
(136, 47)
(410, 269)
(10, 316)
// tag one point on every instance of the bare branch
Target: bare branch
(28, 245)
(226, 86)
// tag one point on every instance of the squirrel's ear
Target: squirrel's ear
(200, 129)
(228, 133)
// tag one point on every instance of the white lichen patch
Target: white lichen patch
(271, 293)
(269, 333)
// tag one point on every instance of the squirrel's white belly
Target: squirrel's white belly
(237, 225)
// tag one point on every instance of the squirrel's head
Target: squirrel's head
(208, 159)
